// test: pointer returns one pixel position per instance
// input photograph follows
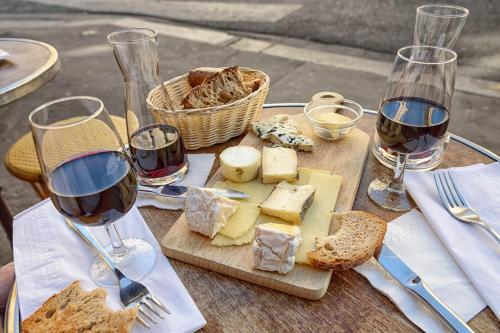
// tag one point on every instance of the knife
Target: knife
(177, 191)
(411, 281)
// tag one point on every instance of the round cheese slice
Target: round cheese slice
(240, 163)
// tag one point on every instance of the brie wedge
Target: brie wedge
(207, 212)
(275, 246)
(278, 164)
(289, 202)
(240, 163)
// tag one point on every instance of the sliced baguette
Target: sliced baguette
(358, 237)
(220, 88)
(76, 310)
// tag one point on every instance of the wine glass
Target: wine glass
(413, 114)
(89, 177)
(439, 25)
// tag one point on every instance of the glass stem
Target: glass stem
(119, 249)
(399, 172)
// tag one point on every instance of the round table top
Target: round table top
(350, 304)
(29, 65)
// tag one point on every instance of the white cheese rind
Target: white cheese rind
(240, 163)
(289, 202)
(207, 212)
(278, 164)
(274, 248)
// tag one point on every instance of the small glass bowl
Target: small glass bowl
(331, 131)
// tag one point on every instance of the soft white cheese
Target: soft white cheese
(275, 246)
(207, 212)
(240, 163)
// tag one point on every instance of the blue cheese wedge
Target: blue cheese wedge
(289, 202)
(278, 164)
(207, 212)
(275, 246)
(282, 131)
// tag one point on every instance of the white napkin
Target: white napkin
(412, 239)
(474, 250)
(199, 168)
(48, 256)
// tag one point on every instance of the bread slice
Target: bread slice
(221, 88)
(198, 75)
(75, 310)
(358, 237)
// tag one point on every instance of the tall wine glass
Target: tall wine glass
(413, 114)
(89, 177)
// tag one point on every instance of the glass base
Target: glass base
(418, 162)
(170, 179)
(135, 264)
(389, 198)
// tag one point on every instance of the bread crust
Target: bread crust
(221, 88)
(325, 253)
(198, 75)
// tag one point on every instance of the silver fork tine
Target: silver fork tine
(145, 301)
(141, 311)
(157, 302)
(457, 190)
(142, 321)
(440, 189)
(446, 190)
(452, 188)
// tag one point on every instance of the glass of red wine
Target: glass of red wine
(157, 150)
(90, 178)
(414, 114)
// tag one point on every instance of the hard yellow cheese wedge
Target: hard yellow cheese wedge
(257, 191)
(241, 221)
(247, 238)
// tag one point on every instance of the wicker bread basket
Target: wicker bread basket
(208, 126)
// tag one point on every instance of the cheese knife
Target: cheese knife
(178, 191)
(412, 282)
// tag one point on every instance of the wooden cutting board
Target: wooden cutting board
(345, 158)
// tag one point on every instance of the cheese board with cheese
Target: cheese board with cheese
(265, 239)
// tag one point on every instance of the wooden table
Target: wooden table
(29, 66)
(351, 304)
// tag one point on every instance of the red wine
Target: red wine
(95, 188)
(157, 151)
(411, 125)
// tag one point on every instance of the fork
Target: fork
(132, 293)
(455, 203)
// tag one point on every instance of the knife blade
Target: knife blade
(412, 282)
(178, 191)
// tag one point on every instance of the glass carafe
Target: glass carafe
(157, 150)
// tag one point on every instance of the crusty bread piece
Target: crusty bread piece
(75, 310)
(198, 75)
(221, 88)
(358, 237)
(252, 85)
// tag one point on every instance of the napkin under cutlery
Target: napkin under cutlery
(474, 250)
(412, 239)
(199, 169)
(48, 256)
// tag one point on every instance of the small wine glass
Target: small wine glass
(89, 176)
(413, 114)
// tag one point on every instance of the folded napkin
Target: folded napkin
(412, 239)
(48, 256)
(199, 169)
(474, 250)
